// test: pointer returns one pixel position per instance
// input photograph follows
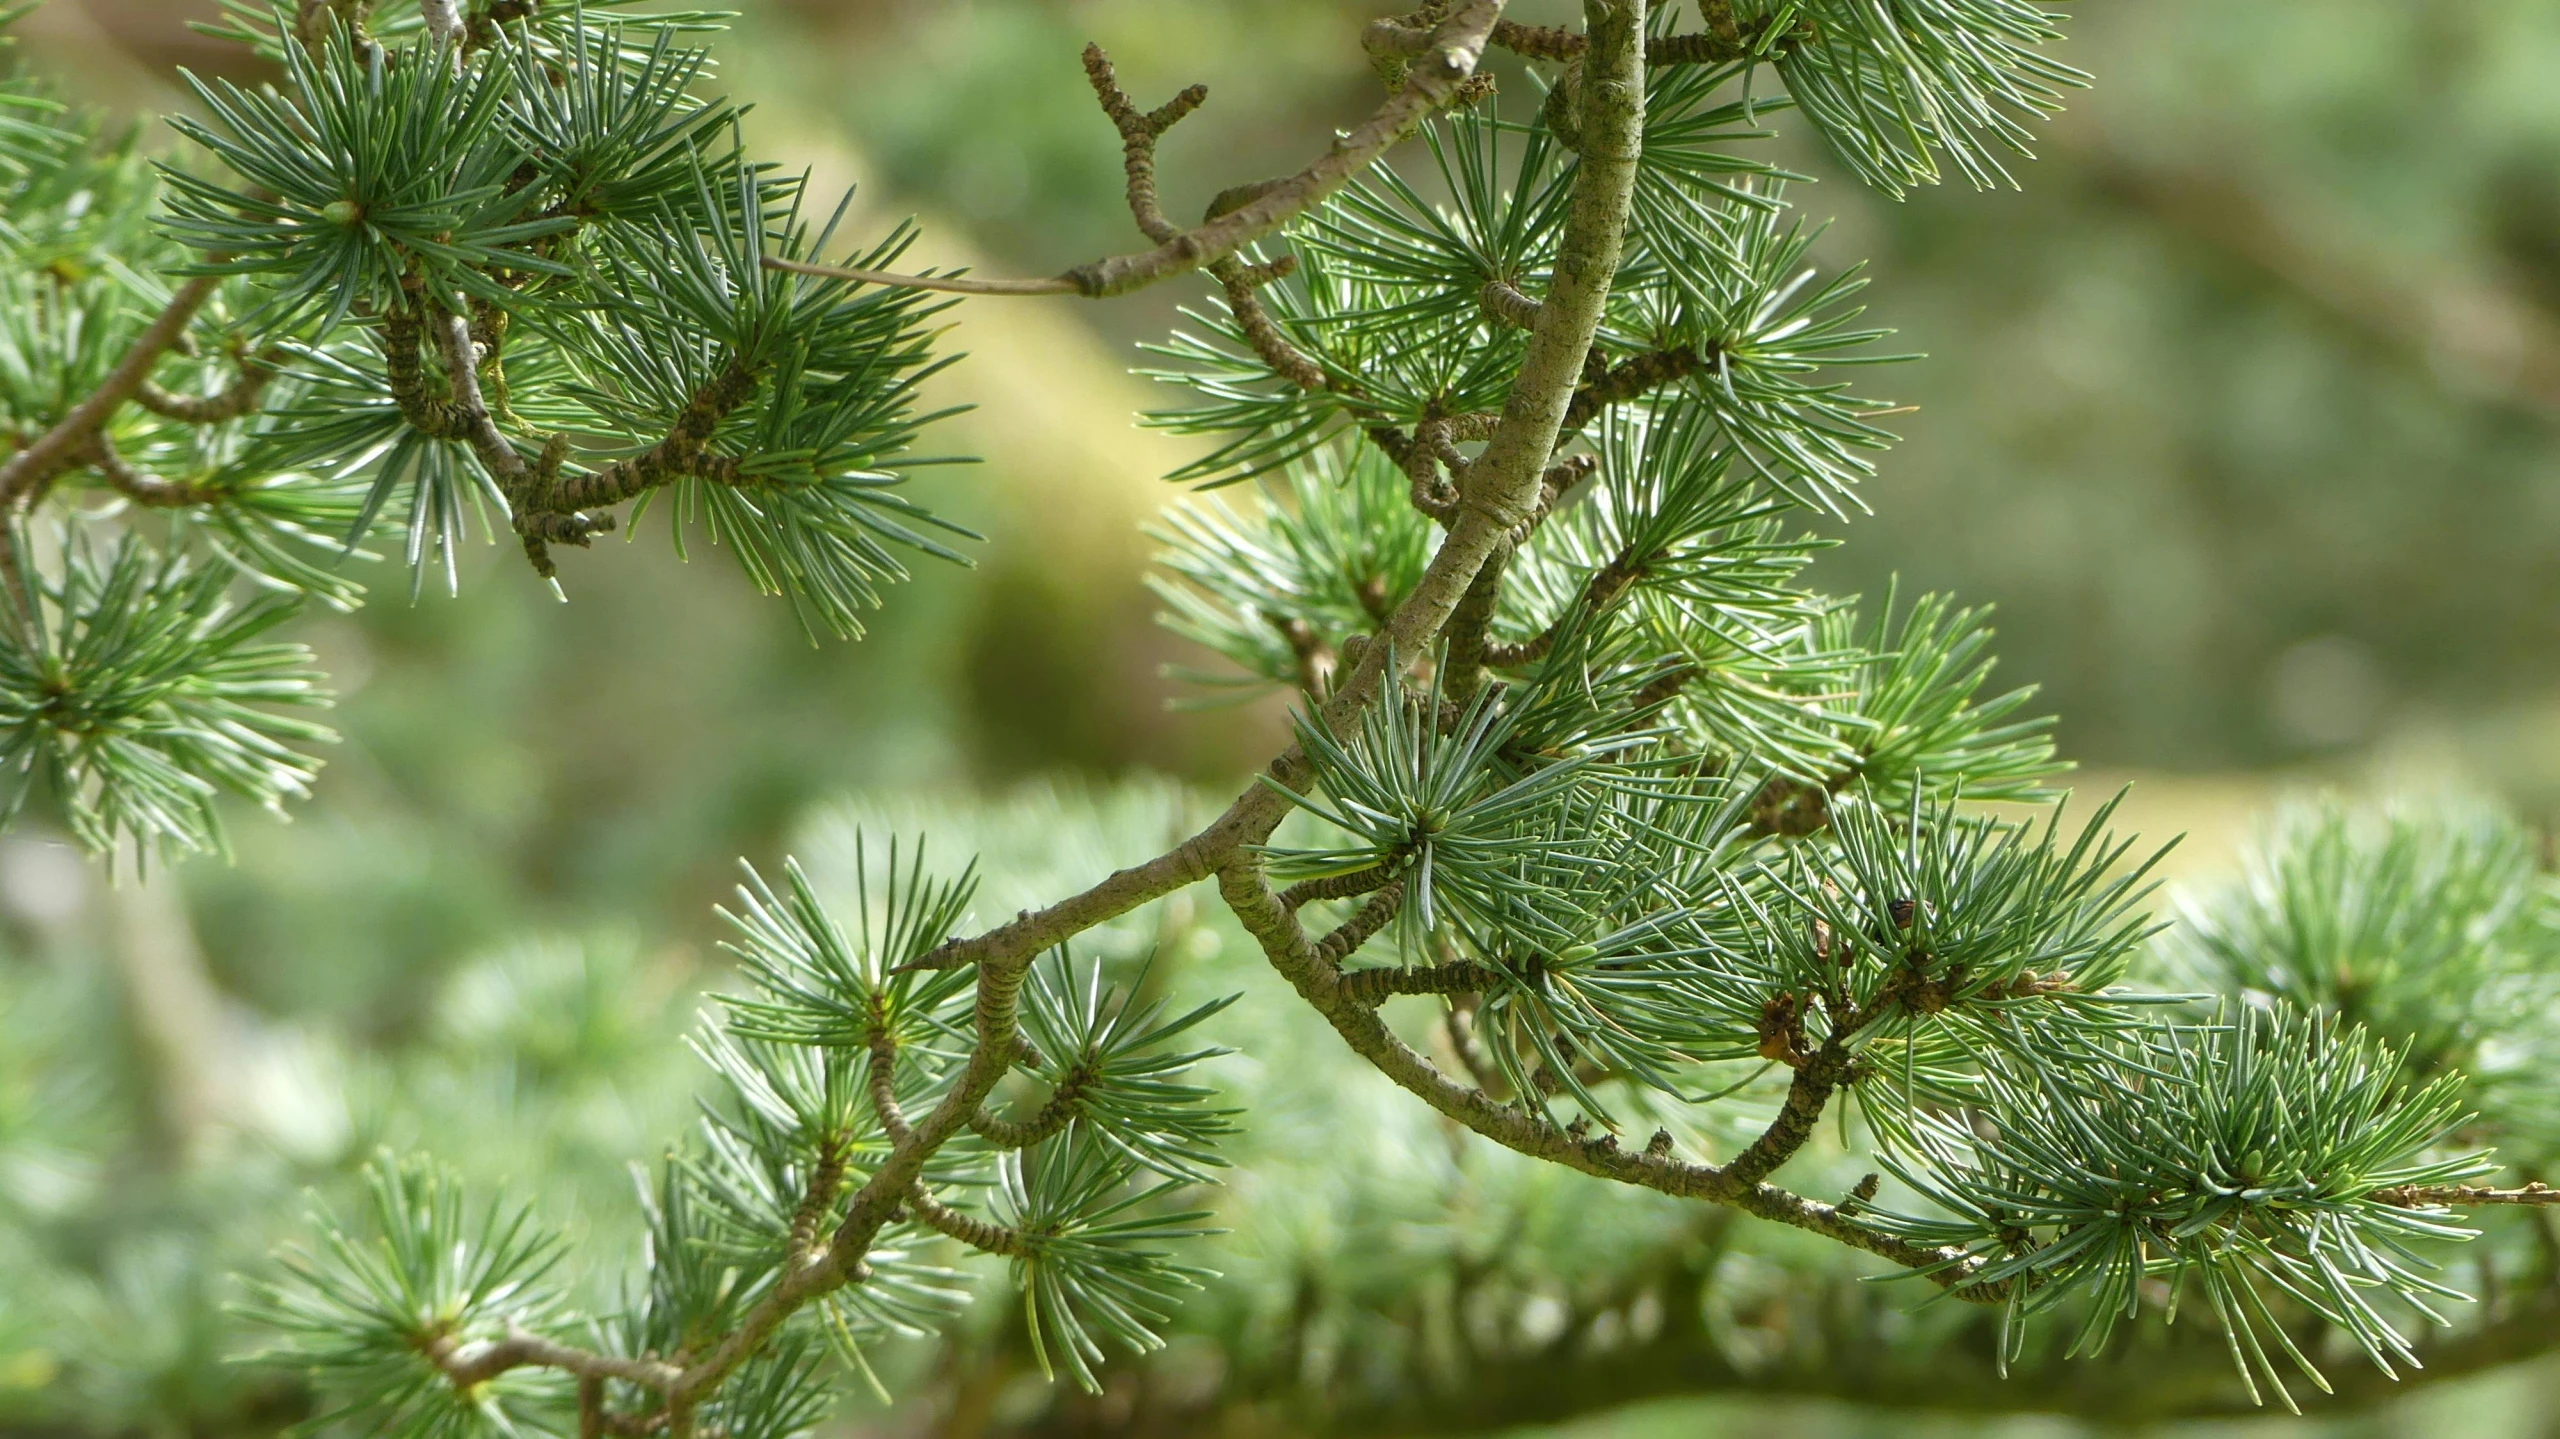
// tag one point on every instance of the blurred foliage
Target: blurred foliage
(2242, 414)
(1379, 1275)
(2246, 412)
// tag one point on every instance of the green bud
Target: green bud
(342, 212)
(1578, 954)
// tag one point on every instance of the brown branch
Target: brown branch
(1630, 379)
(1367, 920)
(1320, 983)
(470, 422)
(1507, 306)
(679, 454)
(881, 1079)
(817, 1197)
(1470, 629)
(234, 400)
(2423, 1196)
(1723, 42)
(1808, 1094)
(1418, 456)
(1604, 589)
(1315, 659)
(1376, 986)
(1336, 886)
(1053, 1116)
(62, 446)
(1263, 333)
(591, 1415)
(469, 1365)
(982, 1234)
(1434, 80)
(141, 488)
(1139, 131)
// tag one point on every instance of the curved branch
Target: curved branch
(1054, 1114)
(1447, 61)
(1375, 986)
(1336, 886)
(467, 1365)
(141, 488)
(235, 399)
(980, 1234)
(1631, 378)
(1527, 1132)
(60, 447)
(1366, 921)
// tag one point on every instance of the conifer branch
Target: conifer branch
(1375, 986)
(1483, 816)
(467, 1366)
(1441, 68)
(983, 1235)
(1726, 43)
(1632, 378)
(1366, 921)
(880, 1081)
(679, 454)
(1055, 1114)
(1607, 585)
(2424, 1196)
(148, 490)
(1508, 306)
(468, 419)
(1317, 981)
(233, 401)
(1335, 886)
(63, 445)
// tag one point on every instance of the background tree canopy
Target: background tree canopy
(2241, 412)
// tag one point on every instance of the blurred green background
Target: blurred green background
(2245, 413)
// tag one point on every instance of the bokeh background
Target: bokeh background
(2245, 414)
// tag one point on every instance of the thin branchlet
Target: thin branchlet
(144, 489)
(1434, 79)
(234, 400)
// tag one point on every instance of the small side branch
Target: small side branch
(1320, 982)
(1335, 886)
(538, 527)
(141, 488)
(980, 1234)
(1604, 589)
(679, 454)
(1724, 41)
(881, 1077)
(1354, 932)
(235, 400)
(1418, 455)
(1507, 306)
(1630, 379)
(1139, 132)
(2425, 1196)
(1375, 986)
(1054, 1114)
(61, 447)
(469, 1365)
(1807, 1096)
(817, 1198)
(1435, 78)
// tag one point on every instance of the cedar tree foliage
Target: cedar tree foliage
(1585, 787)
